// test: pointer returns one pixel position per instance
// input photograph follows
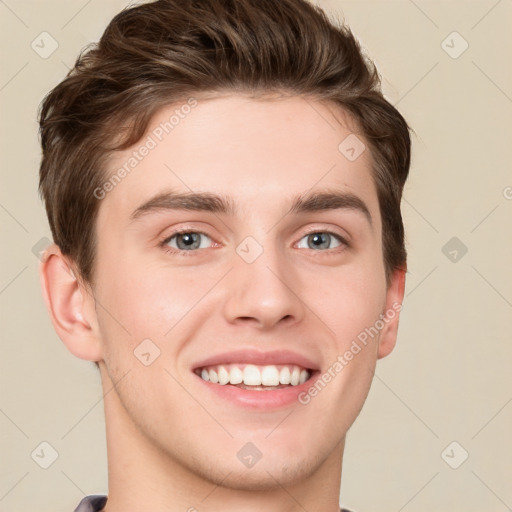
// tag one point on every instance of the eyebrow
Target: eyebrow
(222, 204)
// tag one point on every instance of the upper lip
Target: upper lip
(273, 357)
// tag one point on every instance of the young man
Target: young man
(223, 180)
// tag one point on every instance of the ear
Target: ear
(71, 306)
(391, 313)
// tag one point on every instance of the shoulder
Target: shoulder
(92, 503)
(96, 502)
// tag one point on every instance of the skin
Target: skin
(172, 446)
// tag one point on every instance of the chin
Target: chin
(265, 475)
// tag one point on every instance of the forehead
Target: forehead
(260, 152)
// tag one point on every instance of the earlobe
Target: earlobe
(391, 313)
(71, 306)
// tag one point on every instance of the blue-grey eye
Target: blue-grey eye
(187, 241)
(320, 240)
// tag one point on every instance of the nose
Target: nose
(264, 292)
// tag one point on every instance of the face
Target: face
(247, 278)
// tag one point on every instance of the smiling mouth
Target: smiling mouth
(255, 377)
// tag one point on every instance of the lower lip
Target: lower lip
(262, 399)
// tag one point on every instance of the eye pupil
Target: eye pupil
(189, 239)
(320, 239)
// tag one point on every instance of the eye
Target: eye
(322, 240)
(186, 241)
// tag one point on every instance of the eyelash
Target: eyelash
(171, 250)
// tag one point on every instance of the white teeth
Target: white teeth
(284, 375)
(270, 376)
(253, 375)
(294, 380)
(223, 375)
(235, 375)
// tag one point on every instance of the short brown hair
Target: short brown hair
(159, 53)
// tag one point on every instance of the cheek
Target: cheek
(146, 301)
(350, 306)
(349, 299)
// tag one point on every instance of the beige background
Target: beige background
(449, 378)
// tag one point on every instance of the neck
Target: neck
(143, 476)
